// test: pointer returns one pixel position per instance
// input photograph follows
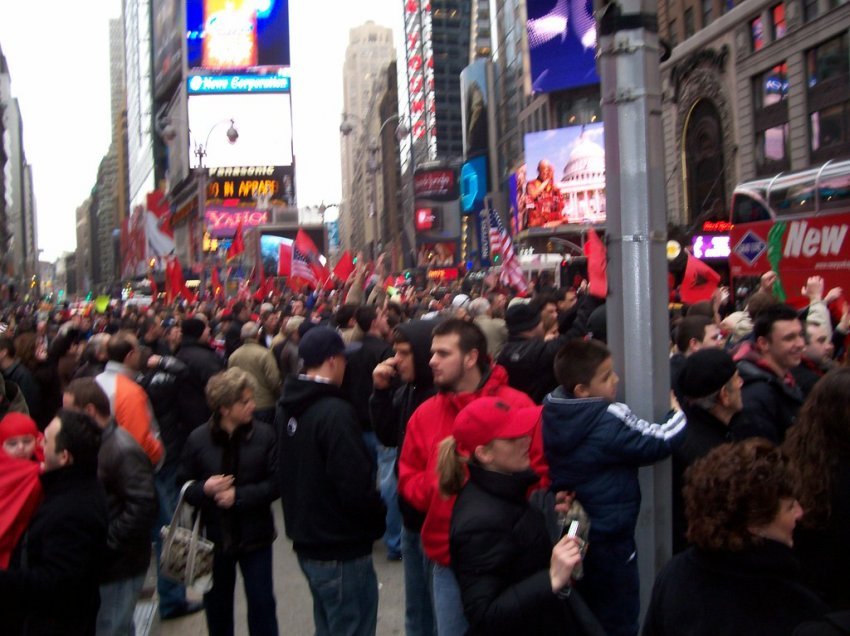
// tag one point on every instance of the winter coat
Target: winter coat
(164, 386)
(530, 363)
(595, 447)
(500, 554)
(432, 422)
(259, 363)
(203, 363)
(51, 586)
(754, 592)
(285, 354)
(357, 383)
(250, 455)
(18, 374)
(770, 403)
(331, 508)
(391, 408)
(127, 476)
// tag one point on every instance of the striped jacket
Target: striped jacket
(595, 448)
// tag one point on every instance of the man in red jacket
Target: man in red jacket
(462, 373)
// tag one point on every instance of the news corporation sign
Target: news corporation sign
(212, 84)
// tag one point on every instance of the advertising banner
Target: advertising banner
(474, 95)
(795, 250)
(569, 186)
(473, 184)
(226, 35)
(263, 121)
(561, 44)
(223, 221)
(442, 254)
(168, 29)
(261, 186)
(437, 184)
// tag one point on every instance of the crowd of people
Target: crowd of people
(476, 432)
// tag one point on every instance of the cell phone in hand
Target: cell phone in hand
(571, 529)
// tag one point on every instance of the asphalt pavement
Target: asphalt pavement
(294, 603)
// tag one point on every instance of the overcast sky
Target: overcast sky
(59, 66)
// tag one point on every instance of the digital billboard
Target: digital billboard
(441, 254)
(167, 45)
(261, 185)
(474, 93)
(419, 54)
(473, 184)
(271, 240)
(264, 123)
(563, 179)
(229, 35)
(561, 44)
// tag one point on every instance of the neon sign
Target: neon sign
(711, 246)
(207, 84)
(223, 222)
(716, 226)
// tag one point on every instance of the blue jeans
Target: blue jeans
(256, 568)
(448, 606)
(172, 596)
(418, 610)
(345, 596)
(611, 585)
(117, 604)
(388, 484)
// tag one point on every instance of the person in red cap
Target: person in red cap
(512, 579)
(462, 373)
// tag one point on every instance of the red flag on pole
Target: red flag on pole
(284, 264)
(597, 266)
(699, 282)
(154, 288)
(237, 247)
(344, 267)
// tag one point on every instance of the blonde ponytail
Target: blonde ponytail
(451, 467)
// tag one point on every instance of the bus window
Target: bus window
(834, 189)
(746, 209)
(793, 194)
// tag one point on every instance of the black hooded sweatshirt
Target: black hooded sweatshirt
(391, 408)
(331, 508)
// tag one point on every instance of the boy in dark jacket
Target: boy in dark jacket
(594, 447)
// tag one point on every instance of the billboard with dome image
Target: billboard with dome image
(563, 179)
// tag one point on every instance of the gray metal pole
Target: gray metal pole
(636, 235)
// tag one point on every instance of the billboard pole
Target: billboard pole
(638, 331)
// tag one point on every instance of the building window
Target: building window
(810, 10)
(771, 87)
(689, 22)
(757, 33)
(728, 5)
(707, 6)
(828, 98)
(672, 35)
(777, 16)
(772, 149)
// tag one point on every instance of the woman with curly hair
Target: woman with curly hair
(740, 576)
(819, 444)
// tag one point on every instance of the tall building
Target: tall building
(370, 50)
(480, 38)
(83, 260)
(751, 89)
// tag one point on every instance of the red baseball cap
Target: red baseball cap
(489, 418)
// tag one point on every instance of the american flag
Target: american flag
(500, 242)
(301, 266)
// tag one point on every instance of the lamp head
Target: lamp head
(346, 127)
(232, 133)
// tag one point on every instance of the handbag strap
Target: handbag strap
(175, 518)
(193, 548)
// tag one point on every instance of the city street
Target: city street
(294, 604)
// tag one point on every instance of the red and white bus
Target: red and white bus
(796, 224)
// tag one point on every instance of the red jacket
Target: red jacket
(429, 425)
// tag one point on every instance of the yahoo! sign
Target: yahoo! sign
(224, 221)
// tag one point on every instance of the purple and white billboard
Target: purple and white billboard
(561, 44)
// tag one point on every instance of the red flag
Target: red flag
(154, 288)
(237, 246)
(175, 283)
(284, 264)
(216, 283)
(597, 266)
(699, 282)
(307, 247)
(344, 267)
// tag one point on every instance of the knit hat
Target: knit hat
(522, 317)
(486, 419)
(193, 327)
(705, 372)
(319, 344)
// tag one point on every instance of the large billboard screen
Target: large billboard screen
(264, 123)
(561, 44)
(167, 45)
(473, 184)
(473, 89)
(271, 240)
(563, 179)
(229, 35)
